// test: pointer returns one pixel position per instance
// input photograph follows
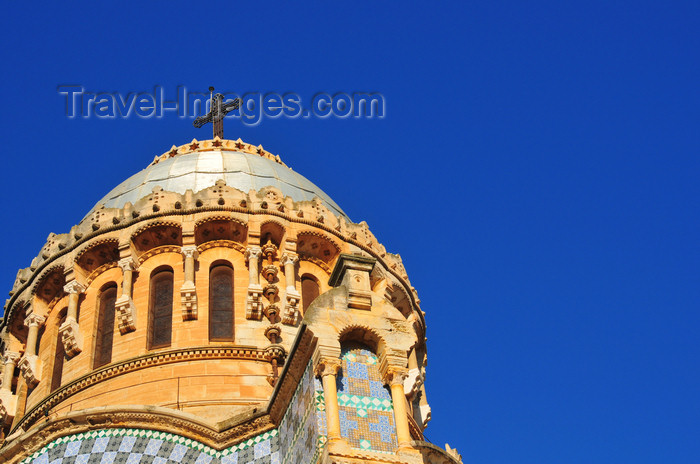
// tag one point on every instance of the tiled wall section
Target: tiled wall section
(366, 409)
(294, 441)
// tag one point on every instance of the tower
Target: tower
(216, 307)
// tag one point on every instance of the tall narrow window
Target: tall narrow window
(105, 327)
(57, 373)
(161, 312)
(221, 303)
(309, 290)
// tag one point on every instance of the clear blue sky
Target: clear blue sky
(537, 170)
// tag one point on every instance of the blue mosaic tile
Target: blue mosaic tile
(296, 440)
(364, 403)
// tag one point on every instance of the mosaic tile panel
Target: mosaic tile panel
(366, 409)
(296, 440)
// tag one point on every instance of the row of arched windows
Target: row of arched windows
(160, 313)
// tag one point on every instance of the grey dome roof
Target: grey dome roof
(200, 170)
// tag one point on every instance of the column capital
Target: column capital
(127, 264)
(253, 252)
(289, 258)
(395, 375)
(190, 251)
(74, 287)
(34, 319)
(10, 357)
(327, 366)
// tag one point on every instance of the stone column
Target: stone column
(124, 306)
(327, 369)
(188, 293)
(10, 362)
(395, 377)
(8, 401)
(29, 364)
(291, 310)
(69, 332)
(254, 304)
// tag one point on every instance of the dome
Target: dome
(182, 169)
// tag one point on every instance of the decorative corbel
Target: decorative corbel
(69, 331)
(124, 306)
(254, 303)
(8, 401)
(188, 293)
(291, 309)
(29, 364)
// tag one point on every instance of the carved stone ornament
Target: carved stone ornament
(126, 314)
(275, 352)
(70, 336)
(271, 312)
(269, 249)
(328, 366)
(413, 382)
(395, 375)
(3, 411)
(29, 366)
(188, 298)
(34, 319)
(190, 251)
(270, 272)
(270, 291)
(272, 333)
(291, 314)
(10, 357)
(252, 252)
(289, 258)
(127, 264)
(254, 304)
(74, 287)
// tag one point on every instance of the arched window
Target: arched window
(309, 290)
(369, 424)
(57, 373)
(105, 326)
(221, 302)
(161, 309)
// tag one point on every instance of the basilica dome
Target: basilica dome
(198, 170)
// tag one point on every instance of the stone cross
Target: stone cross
(216, 113)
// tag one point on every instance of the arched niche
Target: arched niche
(272, 231)
(318, 246)
(98, 254)
(157, 235)
(50, 285)
(218, 228)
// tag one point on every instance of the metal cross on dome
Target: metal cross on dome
(216, 113)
